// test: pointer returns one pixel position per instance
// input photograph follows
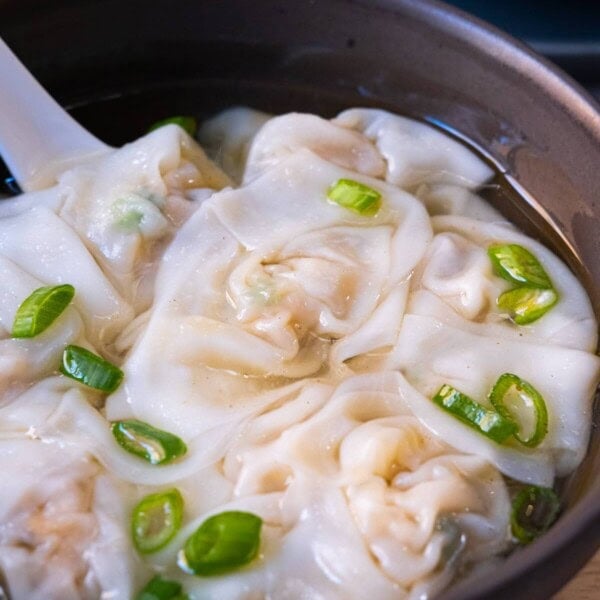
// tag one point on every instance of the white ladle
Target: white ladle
(38, 139)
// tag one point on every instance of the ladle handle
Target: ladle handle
(38, 138)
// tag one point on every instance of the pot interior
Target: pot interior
(135, 64)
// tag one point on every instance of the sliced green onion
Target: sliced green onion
(156, 520)
(356, 196)
(189, 124)
(130, 221)
(534, 510)
(40, 309)
(488, 422)
(517, 400)
(90, 369)
(126, 214)
(161, 589)
(221, 544)
(154, 445)
(517, 265)
(526, 305)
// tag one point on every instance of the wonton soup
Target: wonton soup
(303, 359)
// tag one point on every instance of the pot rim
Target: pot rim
(580, 525)
(577, 532)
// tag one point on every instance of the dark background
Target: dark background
(566, 31)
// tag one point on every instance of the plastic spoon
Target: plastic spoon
(38, 139)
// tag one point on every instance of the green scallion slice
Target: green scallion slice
(188, 124)
(40, 309)
(355, 196)
(127, 215)
(534, 510)
(488, 422)
(222, 543)
(161, 589)
(517, 265)
(156, 520)
(517, 400)
(526, 305)
(156, 446)
(90, 369)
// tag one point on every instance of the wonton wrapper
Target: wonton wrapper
(233, 307)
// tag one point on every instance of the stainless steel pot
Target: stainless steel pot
(120, 65)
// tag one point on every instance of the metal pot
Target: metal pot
(121, 65)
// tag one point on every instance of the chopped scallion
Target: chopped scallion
(488, 422)
(517, 265)
(526, 305)
(534, 294)
(90, 369)
(127, 215)
(534, 510)
(355, 196)
(156, 520)
(517, 400)
(161, 589)
(154, 445)
(222, 543)
(189, 124)
(40, 309)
